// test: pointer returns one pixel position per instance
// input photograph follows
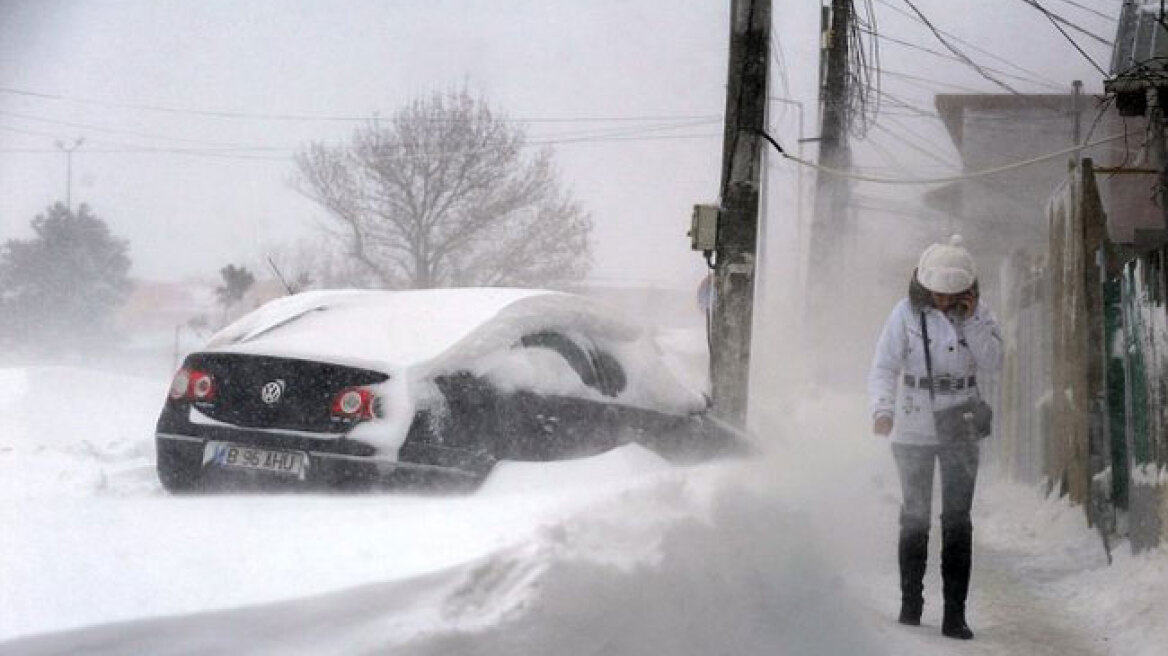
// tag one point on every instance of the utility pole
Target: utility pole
(831, 192)
(68, 150)
(1157, 114)
(823, 313)
(1077, 117)
(737, 231)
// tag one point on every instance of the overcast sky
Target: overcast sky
(191, 111)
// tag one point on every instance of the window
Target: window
(597, 369)
(610, 375)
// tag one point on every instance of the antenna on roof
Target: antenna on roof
(291, 290)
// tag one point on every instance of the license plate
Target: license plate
(236, 456)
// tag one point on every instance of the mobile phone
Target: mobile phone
(963, 305)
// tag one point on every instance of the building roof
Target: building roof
(952, 107)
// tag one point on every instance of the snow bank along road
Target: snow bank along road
(619, 554)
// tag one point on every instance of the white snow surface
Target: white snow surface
(792, 553)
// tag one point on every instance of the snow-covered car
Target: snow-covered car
(365, 388)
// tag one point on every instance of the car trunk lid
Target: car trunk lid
(261, 391)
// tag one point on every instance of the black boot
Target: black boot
(910, 611)
(956, 557)
(954, 624)
(913, 552)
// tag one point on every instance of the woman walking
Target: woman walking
(934, 346)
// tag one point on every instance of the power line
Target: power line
(971, 119)
(287, 153)
(930, 152)
(933, 84)
(927, 152)
(116, 149)
(955, 178)
(956, 51)
(1054, 21)
(914, 110)
(1059, 19)
(907, 114)
(888, 156)
(174, 110)
(32, 133)
(957, 39)
(221, 149)
(942, 55)
(327, 118)
(594, 132)
(128, 133)
(864, 69)
(665, 137)
(1100, 14)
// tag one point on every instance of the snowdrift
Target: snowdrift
(618, 554)
(75, 432)
(694, 562)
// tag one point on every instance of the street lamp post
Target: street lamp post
(68, 150)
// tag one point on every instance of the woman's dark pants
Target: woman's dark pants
(915, 465)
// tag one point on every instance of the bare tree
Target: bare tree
(447, 194)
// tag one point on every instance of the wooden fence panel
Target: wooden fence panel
(1072, 214)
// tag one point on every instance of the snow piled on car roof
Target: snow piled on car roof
(651, 382)
(384, 329)
(420, 333)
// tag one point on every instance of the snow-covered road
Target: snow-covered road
(621, 554)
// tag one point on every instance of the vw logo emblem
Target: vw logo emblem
(271, 392)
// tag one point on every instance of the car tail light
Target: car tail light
(192, 385)
(180, 384)
(355, 403)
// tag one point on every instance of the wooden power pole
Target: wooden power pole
(831, 192)
(737, 233)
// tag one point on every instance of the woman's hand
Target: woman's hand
(956, 306)
(882, 425)
(965, 304)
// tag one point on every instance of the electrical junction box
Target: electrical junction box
(703, 230)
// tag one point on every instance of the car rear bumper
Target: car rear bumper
(429, 465)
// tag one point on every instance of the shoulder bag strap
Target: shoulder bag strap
(928, 358)
(964, 342)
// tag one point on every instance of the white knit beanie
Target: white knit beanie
(947, 268)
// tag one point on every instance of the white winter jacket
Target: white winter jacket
(961, 351)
